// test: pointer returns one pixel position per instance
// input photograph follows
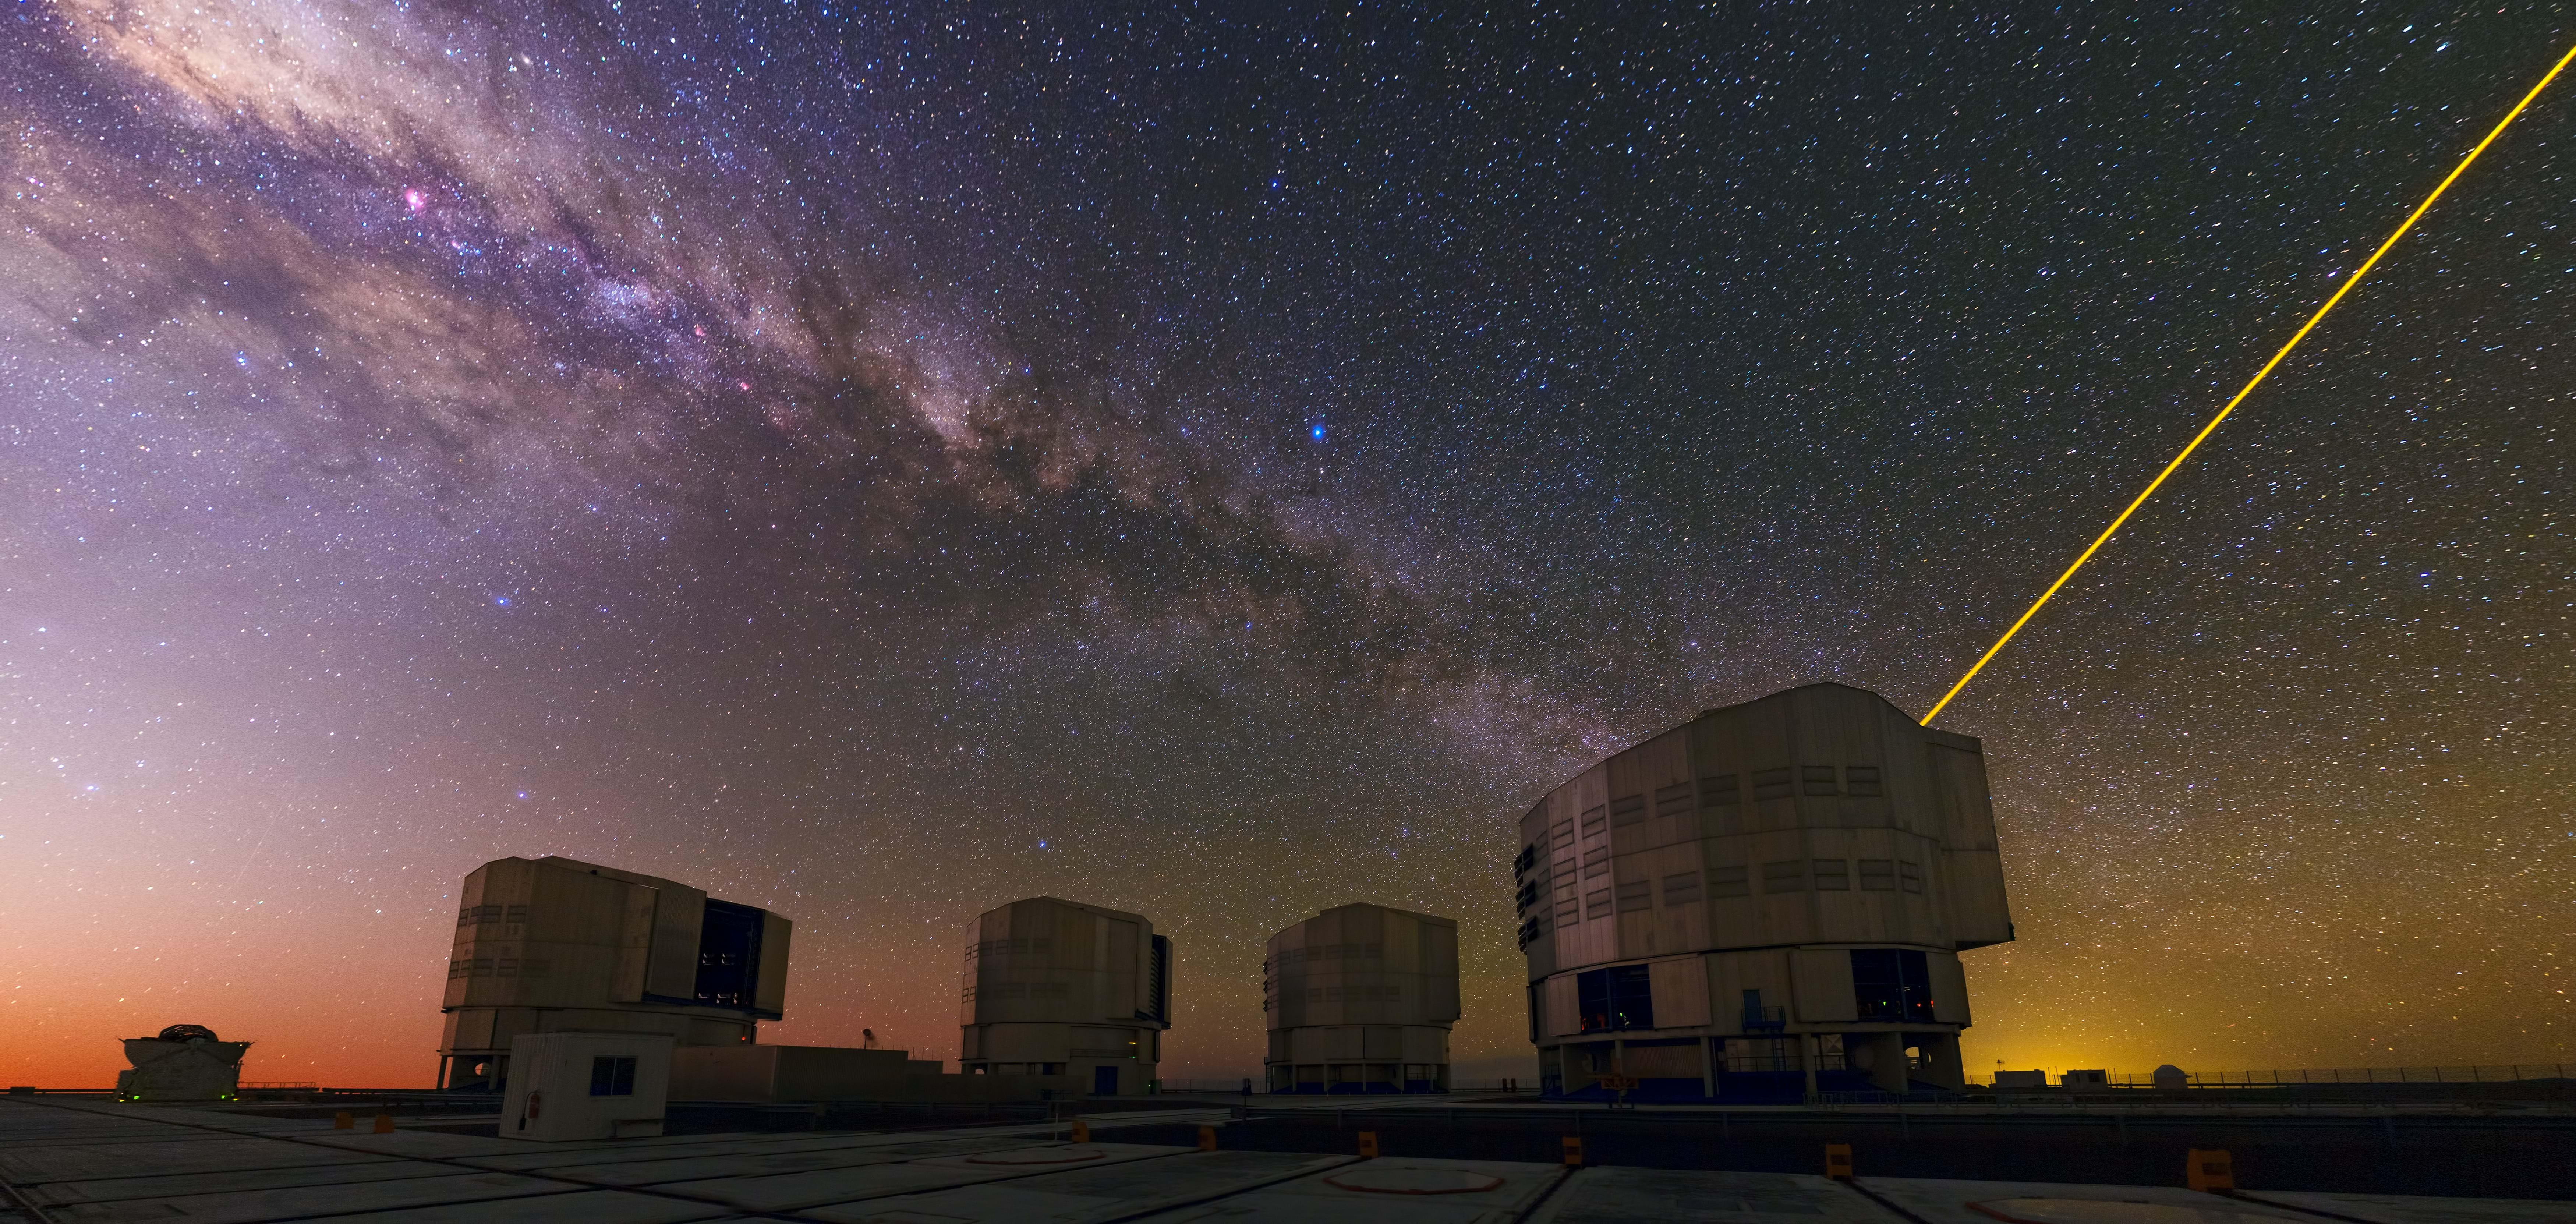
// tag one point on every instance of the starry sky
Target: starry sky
(1220, 461)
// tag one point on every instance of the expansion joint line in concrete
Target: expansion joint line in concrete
(2250, 384)
(2320, 1212)
(569, 1186)
(1563, 1175)
(1886, 1202)
(1228, 1192)
(22, 1204)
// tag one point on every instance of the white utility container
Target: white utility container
(573, 1086)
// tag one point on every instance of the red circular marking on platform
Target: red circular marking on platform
(1019, 1158)
(1460, 1178)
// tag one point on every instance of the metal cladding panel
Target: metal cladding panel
(569, 957)
(1949, 988)
(1966, 805)
(1823, 984)
(1973, 880)
(634, 943)
(1680, 991)
(1625, 774)
(1043, 960)
(571, 907)
(1763, 732)
(1124, 957)
(1363, 964)
(1593, 937)
(1664, 761)
(470, 1029)
(469, 897)
(771, 983)
(1161, 1003)
(530, 934)
(679, 911)
(1562, 1009)
(1439, 937)
(1730, 974)
(1081, 938)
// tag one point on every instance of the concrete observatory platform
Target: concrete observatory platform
(1766, 902)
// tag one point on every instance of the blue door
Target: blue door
(1104, 1081)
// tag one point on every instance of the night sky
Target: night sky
(880, 462)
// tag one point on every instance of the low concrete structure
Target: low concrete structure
(587, 1086)
(779, 1074)
(1360, 999)
(1058, 989)
(559, 945)
(185, 1062)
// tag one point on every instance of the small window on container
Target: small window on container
(1909, 875)
(1860, 780)
(1636, 895)
(612, 1075)
(1785, 876)
(1833, 875)
(1878, 875)
(1819, 780)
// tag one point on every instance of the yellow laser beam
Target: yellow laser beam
(2251, 383)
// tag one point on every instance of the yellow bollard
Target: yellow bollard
(1368, 1145)
(1207, 1138)
(1574, 1151)
(1081, 1131)
(2210, 1169)
(384, 1124)
(344, 1120)
(1838, 1161)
